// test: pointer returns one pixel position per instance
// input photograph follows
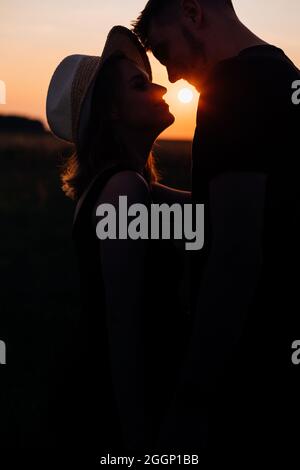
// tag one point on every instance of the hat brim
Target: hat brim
(123, 40)
(119, 39)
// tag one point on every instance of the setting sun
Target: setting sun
(185, 95)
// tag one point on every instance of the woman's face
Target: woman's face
(140, 102)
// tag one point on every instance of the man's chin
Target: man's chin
(195, 80)
(197, 86)
(192, 80)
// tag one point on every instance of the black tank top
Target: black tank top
(94, 418)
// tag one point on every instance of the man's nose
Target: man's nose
(173, 76)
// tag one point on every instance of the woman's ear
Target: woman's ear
(192, 12)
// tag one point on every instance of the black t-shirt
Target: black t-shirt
(246, 120)
(245, 279)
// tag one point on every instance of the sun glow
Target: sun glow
(185, 95)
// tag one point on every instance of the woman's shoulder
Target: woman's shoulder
(106, 187)
(125, 182)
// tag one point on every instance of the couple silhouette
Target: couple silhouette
(149, 374)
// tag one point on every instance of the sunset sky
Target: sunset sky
(35, 35)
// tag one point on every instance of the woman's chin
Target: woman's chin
(172, 118)
(158, 126)
(167, 120)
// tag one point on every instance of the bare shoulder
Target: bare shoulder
(124, 183)
(128, 183)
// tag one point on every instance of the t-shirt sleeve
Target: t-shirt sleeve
(245, 120)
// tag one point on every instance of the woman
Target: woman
(132, 330)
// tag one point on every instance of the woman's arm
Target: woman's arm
(123, 268)
(165, 194)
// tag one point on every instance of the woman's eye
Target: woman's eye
(141, 85)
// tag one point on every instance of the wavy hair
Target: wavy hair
(101, 147)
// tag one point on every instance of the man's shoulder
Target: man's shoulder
(246, 118)
(252, 84)
(256, 60)
(256, 70)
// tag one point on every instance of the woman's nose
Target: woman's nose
(160, 90)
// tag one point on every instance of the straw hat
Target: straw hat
(71, 87)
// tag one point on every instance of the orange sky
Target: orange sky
(35, 36)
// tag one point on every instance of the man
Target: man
(237, 388)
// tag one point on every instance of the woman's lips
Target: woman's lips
(162, 104)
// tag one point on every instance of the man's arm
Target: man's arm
(226, 291)
(232, 272)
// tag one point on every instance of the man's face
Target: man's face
(176, 47)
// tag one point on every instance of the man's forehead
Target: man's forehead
(155, 34)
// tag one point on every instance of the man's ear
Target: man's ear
(192, 12)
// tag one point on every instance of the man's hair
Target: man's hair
(163, 9)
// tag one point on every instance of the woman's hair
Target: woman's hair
(100, 147)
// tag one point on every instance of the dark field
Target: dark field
(39, 282)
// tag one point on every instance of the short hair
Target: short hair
(158, 9)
